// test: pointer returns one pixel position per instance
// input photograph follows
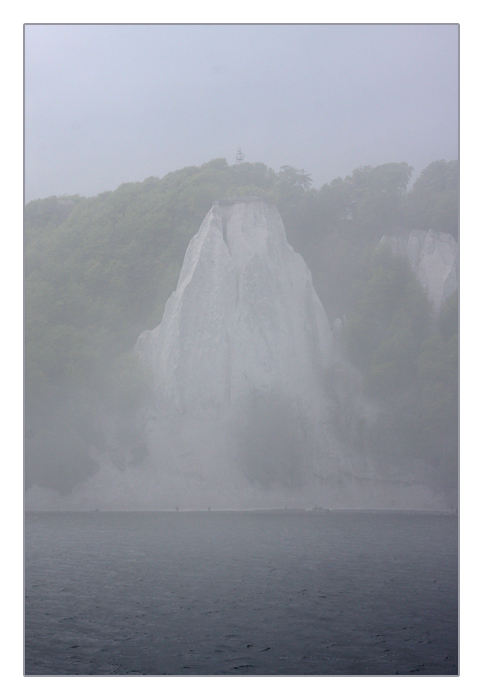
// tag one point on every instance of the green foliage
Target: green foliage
(411, 370)
(433, 201)
(340, 225)
(388, 325)
(99, 270)
(48, 213)
(376, 196)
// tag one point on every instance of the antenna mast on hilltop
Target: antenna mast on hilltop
(240, 157)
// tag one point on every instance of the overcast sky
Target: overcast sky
(107, 104)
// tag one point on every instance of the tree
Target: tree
(377, 195)
(99, 270)
(433, 201)
(388, 323)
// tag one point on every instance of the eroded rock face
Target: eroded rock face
(238, 364)
(244, 317)
(245, 415)
(434, 259)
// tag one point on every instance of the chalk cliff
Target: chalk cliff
(244, 317)
(245, 414)
(238, 365)
(433, 256)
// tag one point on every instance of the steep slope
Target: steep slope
(245, 414)
(237, 364)
(244, 316)
(433, 256)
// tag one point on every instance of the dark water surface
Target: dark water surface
(267, 593)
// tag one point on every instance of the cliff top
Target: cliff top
(235, 200)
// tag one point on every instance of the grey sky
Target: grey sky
(107, 104)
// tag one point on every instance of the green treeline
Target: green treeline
(99, 270)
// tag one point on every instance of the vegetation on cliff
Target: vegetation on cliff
(99, 270)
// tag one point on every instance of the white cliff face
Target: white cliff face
(244, 316)
(238, 360)
(434, 259)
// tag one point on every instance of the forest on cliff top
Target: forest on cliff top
(99, 270)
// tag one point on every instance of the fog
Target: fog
(112, 104)
(245, 397)
(278, 333)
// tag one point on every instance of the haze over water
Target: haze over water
(266, 593)
(281, 592)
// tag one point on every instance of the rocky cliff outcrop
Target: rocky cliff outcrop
(238, 364)
(434, 259)
(246, 414)
(244, 317)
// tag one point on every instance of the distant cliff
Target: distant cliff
(244, 316)
(434, 260)
(248, 411)
(238, 365)
(263, 402)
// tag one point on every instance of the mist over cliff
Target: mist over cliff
(244, 317)
(275, 379)
(238, 360)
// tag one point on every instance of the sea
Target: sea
(258, 593)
